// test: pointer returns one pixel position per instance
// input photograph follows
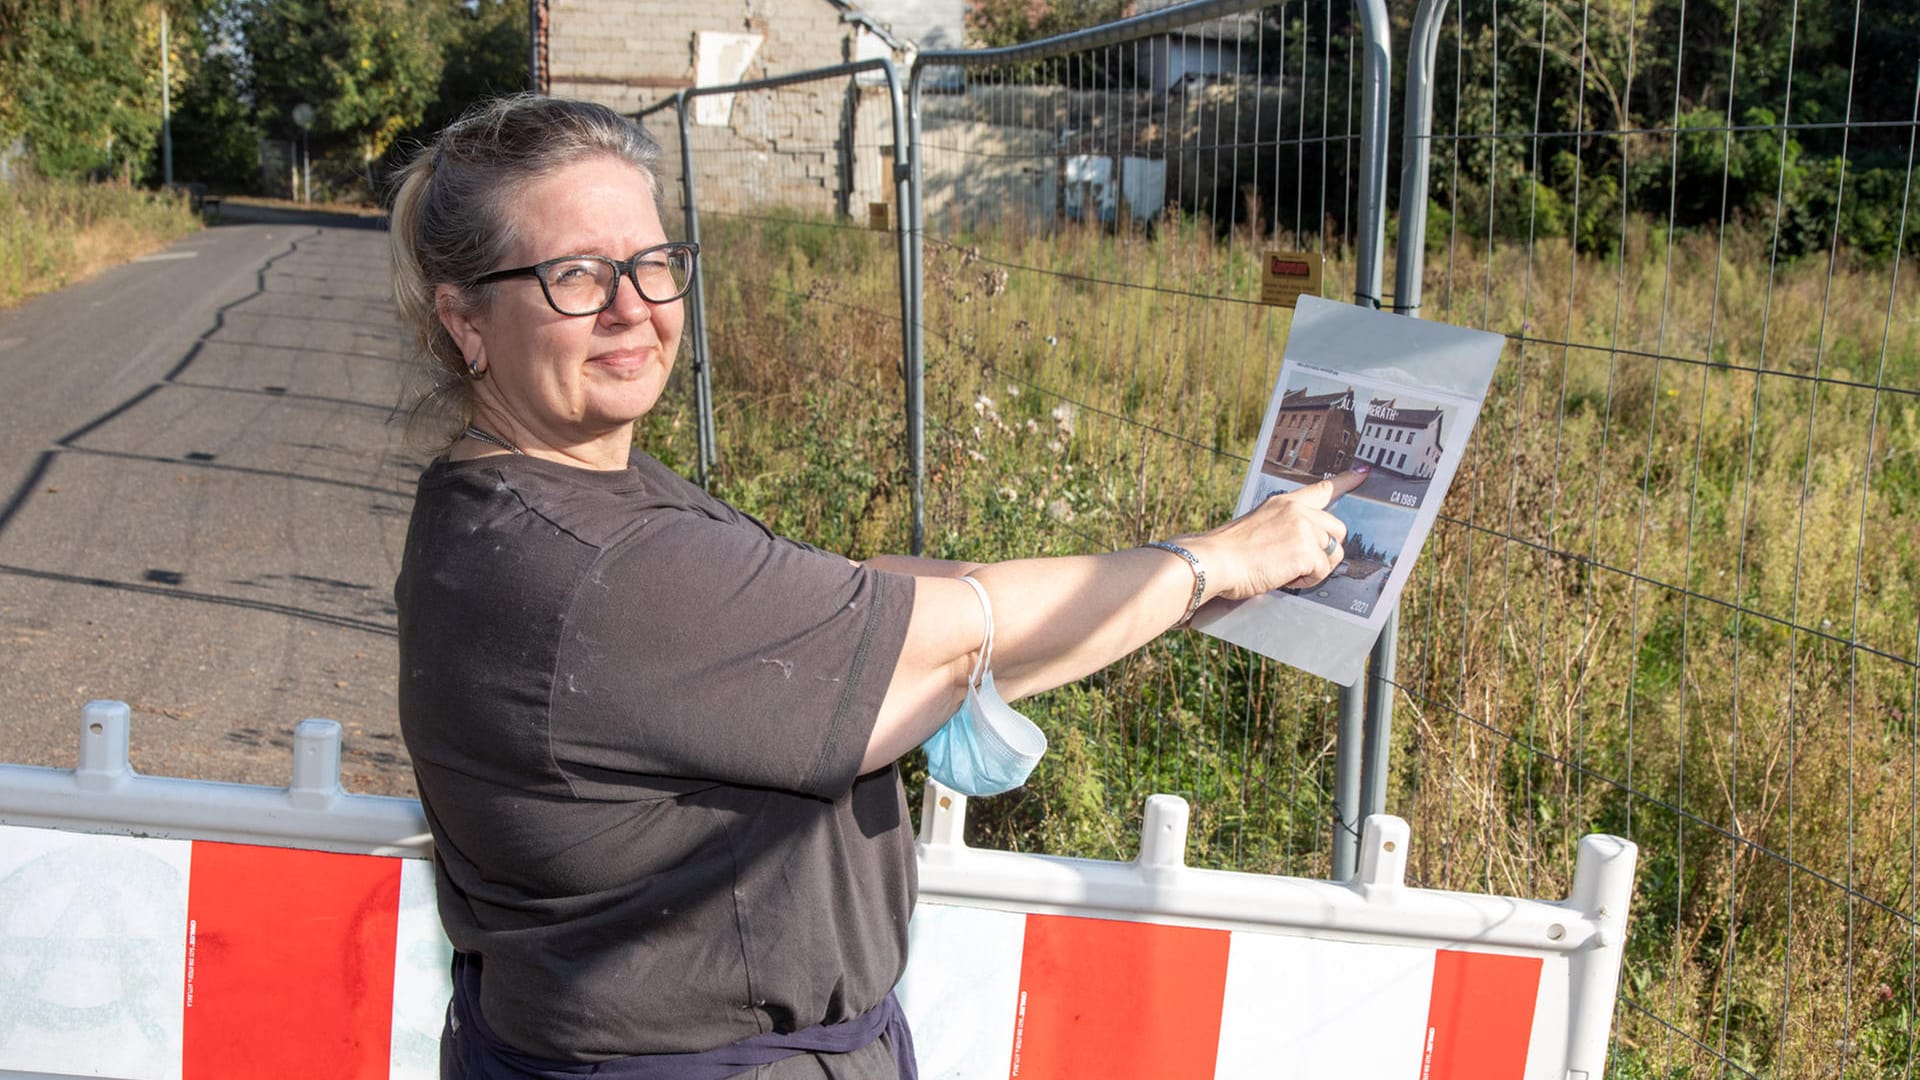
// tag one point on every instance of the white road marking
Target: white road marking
(168, 256)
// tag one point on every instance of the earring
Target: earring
(474, 370)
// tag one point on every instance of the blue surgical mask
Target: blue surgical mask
(987, 747)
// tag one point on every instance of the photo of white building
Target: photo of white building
(1405, 442)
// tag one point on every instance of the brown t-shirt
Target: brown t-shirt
(636, 716)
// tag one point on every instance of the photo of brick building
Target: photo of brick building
(1315, 435)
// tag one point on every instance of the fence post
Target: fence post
(1347, 783)
(1358, 717)
(1416, 157)
(915, 239)
(1409, 262)
(702, 368)
(1376, 80)
(1377, 728)
(906, 196)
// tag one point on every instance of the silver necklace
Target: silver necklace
(491, 439)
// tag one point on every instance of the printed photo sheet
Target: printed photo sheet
(1358, 387)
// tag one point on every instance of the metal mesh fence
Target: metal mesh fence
(1673, 594)
(802, 291)
(1097, 360)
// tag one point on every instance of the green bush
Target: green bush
(61, 231)
(1699, 177)
(83, 91)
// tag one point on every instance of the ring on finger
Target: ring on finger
(1333, 545)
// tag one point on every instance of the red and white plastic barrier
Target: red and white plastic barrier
(1051, 996)
(166, 954)
(1041, 968)
(145, 959)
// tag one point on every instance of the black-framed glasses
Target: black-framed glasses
(586, 284)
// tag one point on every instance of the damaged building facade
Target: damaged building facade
(820, 147)
(995, 145)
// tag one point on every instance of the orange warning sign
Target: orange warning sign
(1285, 276)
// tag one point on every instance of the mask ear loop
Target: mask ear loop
(985, 663)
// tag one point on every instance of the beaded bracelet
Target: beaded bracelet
(1199, 576)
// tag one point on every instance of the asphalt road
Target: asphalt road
(204, 488)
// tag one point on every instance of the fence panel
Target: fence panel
(802, 292)
(1673, 595)
(1096, 361)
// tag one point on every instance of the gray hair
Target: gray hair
(452, 223)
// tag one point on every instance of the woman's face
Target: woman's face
(574, 383)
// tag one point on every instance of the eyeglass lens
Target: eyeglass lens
(586, 285)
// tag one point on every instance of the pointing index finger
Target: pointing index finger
(1326, 492)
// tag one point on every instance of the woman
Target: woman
(654, 741)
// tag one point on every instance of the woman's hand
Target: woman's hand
(1280, 544)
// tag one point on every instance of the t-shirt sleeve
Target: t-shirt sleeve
(709, 650)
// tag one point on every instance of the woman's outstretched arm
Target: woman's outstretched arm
(1059, 619)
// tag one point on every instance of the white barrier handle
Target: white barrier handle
(943, 819)
(316, 764)
(1383, 857)
(1163, 835)
(104, 794)
(103, 745)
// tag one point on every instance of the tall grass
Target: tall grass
(57, 232)
(1677, 601)
(1673, 594)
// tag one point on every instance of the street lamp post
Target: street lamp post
(166, 107)
(303, 118)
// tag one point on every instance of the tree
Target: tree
(215, 140)
(484, 46)
(369, 68)
(994, 23)
(1656, 86)
(80, 81)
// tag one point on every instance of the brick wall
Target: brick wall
(789, 147)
